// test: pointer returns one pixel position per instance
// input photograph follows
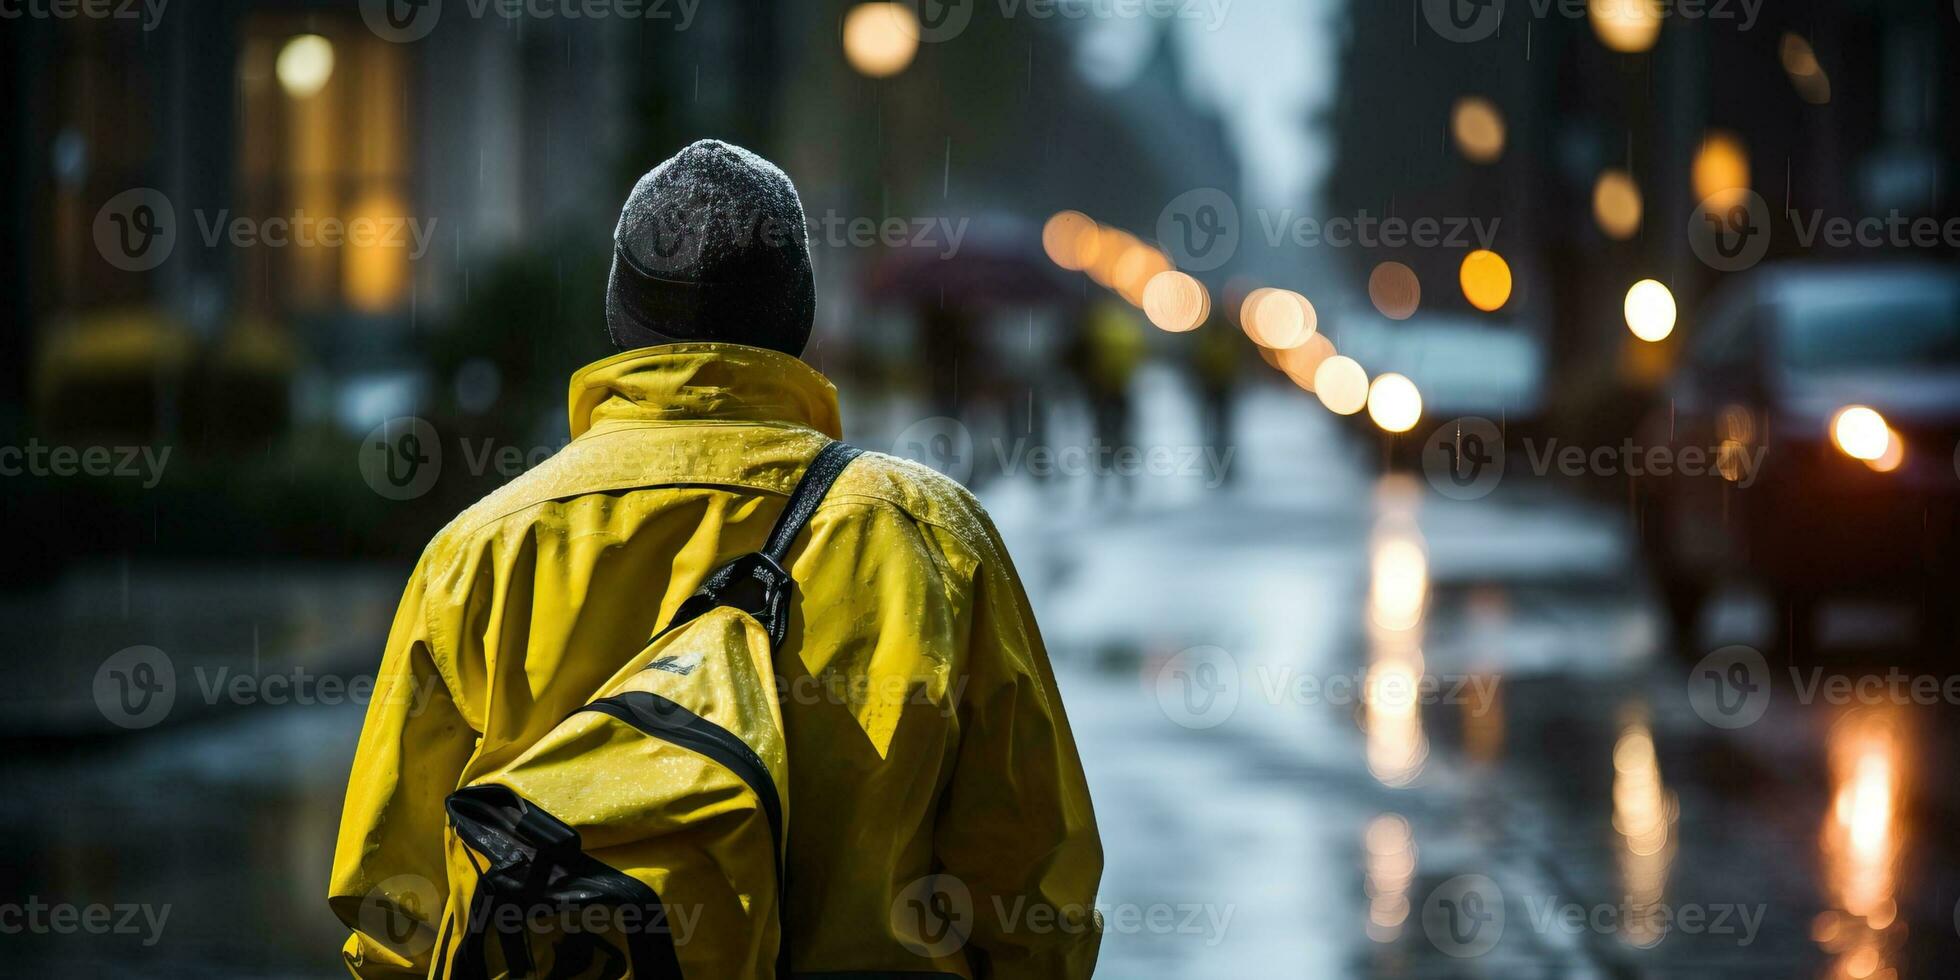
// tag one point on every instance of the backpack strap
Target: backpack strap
(757, 582)
(810, 490)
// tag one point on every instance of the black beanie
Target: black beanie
(711, 246)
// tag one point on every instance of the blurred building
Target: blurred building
(1842, 109)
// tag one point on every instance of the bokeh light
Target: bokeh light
(1478, 129)
(1394, 290)
(1341, 384)
(1175, 301)
(1301, 362)
(880, 38)
(1279, 319)
(1806, 74)
(1486, 280)
(1893, 456)
(1394, 403)
(1134, 268)
(1722, 164)
(1650, 310)
(304, 65)
(1111, 245)
(1070, 239)
(1616, 204)
(1861, 432)
(1628, 26)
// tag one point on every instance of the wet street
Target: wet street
(1331, 719)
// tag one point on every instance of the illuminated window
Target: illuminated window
(323, 148)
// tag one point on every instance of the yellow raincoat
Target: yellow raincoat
(926, 736)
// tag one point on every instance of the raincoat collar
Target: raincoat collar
(702, 383)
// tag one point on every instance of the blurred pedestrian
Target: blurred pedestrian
(931, 776)
(1108, 350)
(1215, 357)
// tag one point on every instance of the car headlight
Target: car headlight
(1863, 435)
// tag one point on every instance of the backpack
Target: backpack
(643, 836)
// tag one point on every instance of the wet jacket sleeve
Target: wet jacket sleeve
(1016, 827)
(389, 882)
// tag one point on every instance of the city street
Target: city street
(1272, 784)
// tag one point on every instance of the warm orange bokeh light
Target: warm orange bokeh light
(1486, 280)
(1616, 204)
(1478, 129)
(880, 38)
(1722, 164)
(1627, 26)
(1070, 239)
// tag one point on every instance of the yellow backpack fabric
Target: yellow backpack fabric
(643, 836)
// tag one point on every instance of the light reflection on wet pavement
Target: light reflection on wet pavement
(1335, 723)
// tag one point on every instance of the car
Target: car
(1826, 402)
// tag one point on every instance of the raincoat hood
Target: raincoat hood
(701, 382)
